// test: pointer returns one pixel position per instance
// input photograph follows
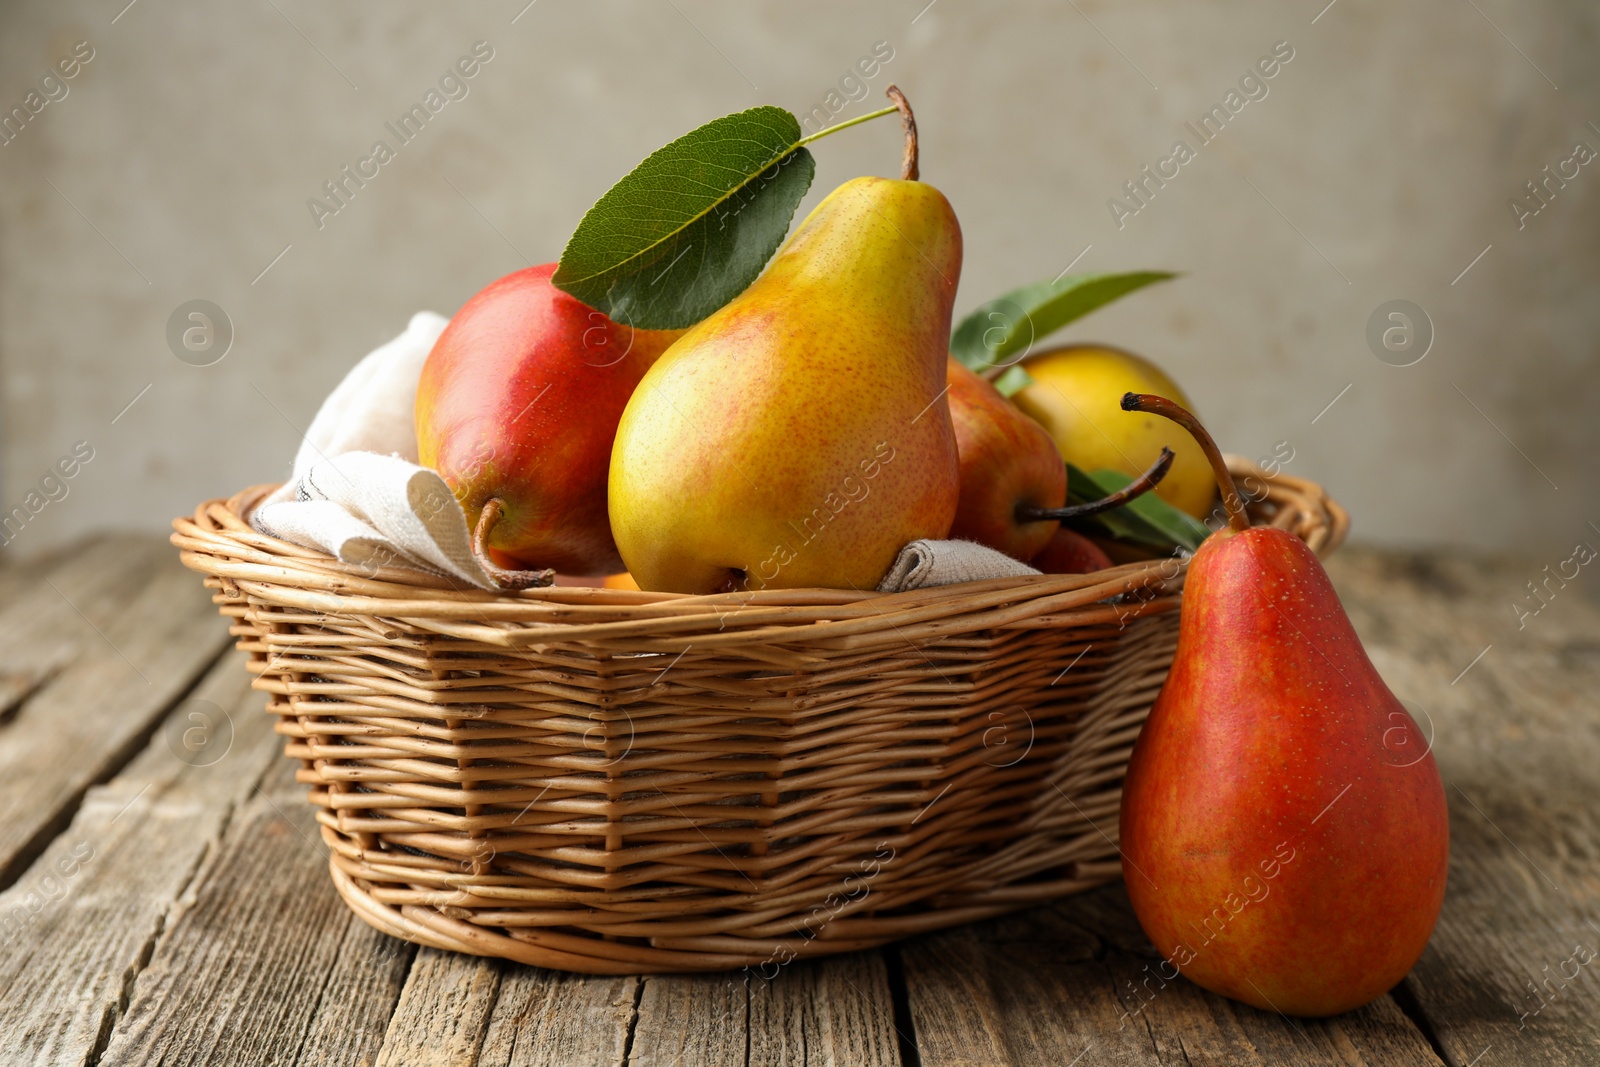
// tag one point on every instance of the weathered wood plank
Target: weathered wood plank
(692, 1018)
(357, 1000)
(550, 1019)
(832, 1012)
(1517, 737)
(443, 1011)
(247, 970)
(40, 633)
(98, 646)
(1079, 982)
(1192, 1027)
(457, 1010)
(1024, 989)
(77, 926)
(49, 612)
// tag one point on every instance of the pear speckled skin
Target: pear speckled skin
(519, 401)
(1006, 459)
(1285, 835)
(800, 436)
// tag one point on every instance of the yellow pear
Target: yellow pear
(1077, 396)
(800, 436)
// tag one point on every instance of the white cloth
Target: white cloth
(923, 564)
(356, 491)
(377, 511)
(374, 408)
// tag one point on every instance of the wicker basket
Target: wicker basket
(621, 782)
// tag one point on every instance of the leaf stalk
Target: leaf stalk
(845, 125)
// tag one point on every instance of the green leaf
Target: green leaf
(692, 226)
(1012, 381)
(1115, 524)
(1173, 523)
(1147, 521)
(1003, 331)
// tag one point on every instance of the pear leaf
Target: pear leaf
(1147, 521)
(1115, 524)
(1012, 381)
(1001, 332)
(692, 226)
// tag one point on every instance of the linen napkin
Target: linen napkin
(374, 408)
(923, 564)
(356, 491)
(377, 511)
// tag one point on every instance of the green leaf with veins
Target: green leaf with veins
(692, 226)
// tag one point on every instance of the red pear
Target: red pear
(1069, 552)
(1007, 460)
(1013, 482)
(1285, 836)
(517, 409)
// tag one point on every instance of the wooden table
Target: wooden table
(166, 898)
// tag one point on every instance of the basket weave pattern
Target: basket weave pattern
(623, 782)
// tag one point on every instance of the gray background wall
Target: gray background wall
(1380, 164)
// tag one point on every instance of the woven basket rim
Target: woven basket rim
(218, 541)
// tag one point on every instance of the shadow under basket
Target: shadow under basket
(620, 782)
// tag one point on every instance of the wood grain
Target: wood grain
(462, 1011)
(1517, 738)
(1079, 982)
(357, 999)
(97, 648)
(551, 1019)
(835, 1011)
(691, 1019)
(1025, 989)
(443, 1011)
(78, 925)
(243, 974)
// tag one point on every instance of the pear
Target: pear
(1013, 481)
(800, 435)
(516, 409)
(1285, 837)
(1007, 460)
(1070, 552)
(1074, 395)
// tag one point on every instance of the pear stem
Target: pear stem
(1134, 489)
(908, 161)
(845, 125)
(1238, 519)
(501, 576)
